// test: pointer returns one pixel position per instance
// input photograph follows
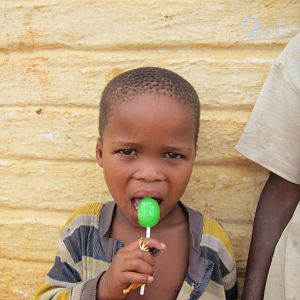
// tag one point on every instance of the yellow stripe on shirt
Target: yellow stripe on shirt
(212, 227)
(88, 209)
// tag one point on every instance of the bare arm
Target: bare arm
(276, 206)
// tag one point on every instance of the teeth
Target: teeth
(136, 202)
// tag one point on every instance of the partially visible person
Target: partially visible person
(272, 139)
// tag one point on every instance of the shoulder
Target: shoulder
(90, 209)
(214, 229)
(291, 53)
(288, 64)
(85, 215)
(215, 238)
(79, 245)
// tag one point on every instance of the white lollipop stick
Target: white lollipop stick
(142, 289)
(148, 232)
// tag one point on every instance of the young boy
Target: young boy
(148, 126)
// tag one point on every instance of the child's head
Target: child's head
(148, 80)
(149, 120)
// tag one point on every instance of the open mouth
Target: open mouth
(135, 201)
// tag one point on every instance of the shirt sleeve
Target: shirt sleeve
(218, 240)
(227, 261)
(69, 277)
(64, 280)
(272, 135)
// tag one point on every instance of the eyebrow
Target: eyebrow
(177, 149)
(172, 148)
(125, 143)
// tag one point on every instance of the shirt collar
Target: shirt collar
(194, 219)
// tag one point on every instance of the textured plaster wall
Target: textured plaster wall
(56, 56)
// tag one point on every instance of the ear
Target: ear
(99, 153)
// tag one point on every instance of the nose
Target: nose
(149, 171)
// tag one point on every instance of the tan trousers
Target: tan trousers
(284, 276)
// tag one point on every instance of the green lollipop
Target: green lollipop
(148, 212)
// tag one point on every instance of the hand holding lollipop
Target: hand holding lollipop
(148, 217)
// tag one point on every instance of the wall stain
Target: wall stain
(169, 17)
(39, 111)
(28, 39)
(36, 68)
(253, 27)
(112, 74)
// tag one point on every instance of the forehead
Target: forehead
(154, 111)
(157, 101)
(152, 104)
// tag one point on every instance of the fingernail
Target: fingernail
(163, 245)
(150, 279)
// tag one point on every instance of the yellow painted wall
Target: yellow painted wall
(56, 56)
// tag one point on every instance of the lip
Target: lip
(144, 194)
(138, 196)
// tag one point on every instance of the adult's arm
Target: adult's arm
(276, 205)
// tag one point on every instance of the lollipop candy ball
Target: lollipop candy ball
(148, 212)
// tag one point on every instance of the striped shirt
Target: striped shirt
(85, 251)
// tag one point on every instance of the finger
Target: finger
(154, 243)
(139, 266)
(137, 260)
(133, 277)
(138, 255)
(145, 256)
(125, 254)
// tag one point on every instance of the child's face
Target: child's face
(148, 150)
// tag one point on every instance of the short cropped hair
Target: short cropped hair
(147, 80)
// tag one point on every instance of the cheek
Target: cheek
(115, 176)
(114, 185)
(181, 177)
(183, 171)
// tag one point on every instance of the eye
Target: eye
(127, 152)
(173, 155)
